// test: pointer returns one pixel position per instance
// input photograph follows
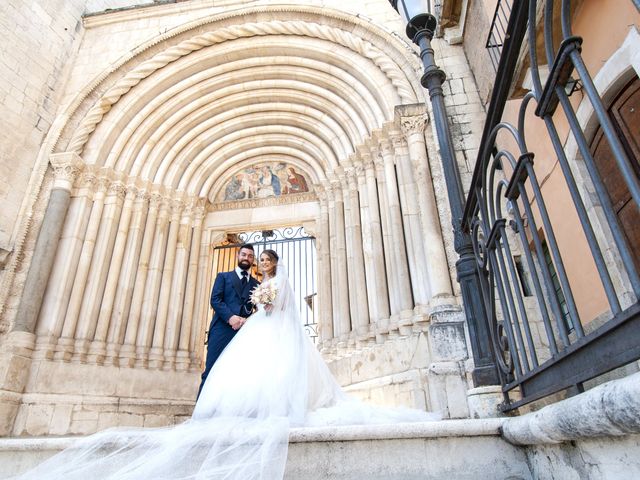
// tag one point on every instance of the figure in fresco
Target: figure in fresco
(263, 181)
(252, 183)
(235, 188)
(297, 182)
(281, 171)
(269, 183)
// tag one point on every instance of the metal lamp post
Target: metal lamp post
(421, 25)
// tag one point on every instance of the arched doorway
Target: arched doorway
(297, 251)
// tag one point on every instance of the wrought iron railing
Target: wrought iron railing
(541, 344)
(498, 31)
(296, 249)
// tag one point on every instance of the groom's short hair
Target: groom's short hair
(248, 246)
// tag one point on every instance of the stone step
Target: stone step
(449, 449)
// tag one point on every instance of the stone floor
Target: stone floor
(451, 449)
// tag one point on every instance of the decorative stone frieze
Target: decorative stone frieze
(265, 202)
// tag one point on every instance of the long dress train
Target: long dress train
(269, 378)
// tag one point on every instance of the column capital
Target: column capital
(87, 180)
(336, 189)
(118, 189)
(201, 208)
(178, 205)
(398, 140)
(414, 124)
(66, 167)
(378, 160)
(386, 148)
(321, 190)
(156, 195)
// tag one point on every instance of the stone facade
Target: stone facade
(104, 298)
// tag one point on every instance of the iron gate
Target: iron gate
(297, 251)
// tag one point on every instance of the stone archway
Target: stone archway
(138, 159)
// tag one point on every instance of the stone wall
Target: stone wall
(35, 56)
(475, 36)
(129, 242)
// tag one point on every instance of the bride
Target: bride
(269, 378)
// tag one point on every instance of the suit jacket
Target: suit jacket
(228, 298)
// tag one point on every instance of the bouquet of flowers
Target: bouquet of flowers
(264, 293)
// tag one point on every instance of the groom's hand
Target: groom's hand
(236, 321)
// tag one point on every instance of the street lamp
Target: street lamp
(416, 14)
(421, 25)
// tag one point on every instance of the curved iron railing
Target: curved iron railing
(541, 345)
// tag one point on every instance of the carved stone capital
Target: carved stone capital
(200, 209)
(398, 141)
(321, 191)
(118, 189)
(87, 180)
(414, 124)
(66, 167)
(386, 148)
(155, 198)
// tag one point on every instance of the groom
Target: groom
(230, 301)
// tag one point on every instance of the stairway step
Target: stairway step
(448, 449)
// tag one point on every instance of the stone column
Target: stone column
(324, 301)
(349, 236)
(418, 265)
(167, 265)
(387, 241)
(106, 307)
(398, 248)
(183, 359)
(437, 267)
(378, 280)
(128, 350)
(66, 167)
(203, 297)
(56, 299)
(124, 293)
(97, 277)
(181, 269)
(340, 292)
(359, 286)
(149, 311)
(66, 342)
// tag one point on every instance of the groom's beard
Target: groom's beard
(244, 264)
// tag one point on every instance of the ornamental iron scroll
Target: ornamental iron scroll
(541, 344)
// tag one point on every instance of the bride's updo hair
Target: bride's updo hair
(273, 256)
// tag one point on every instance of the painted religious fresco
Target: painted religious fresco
(264, 180)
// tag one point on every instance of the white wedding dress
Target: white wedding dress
(269, 378)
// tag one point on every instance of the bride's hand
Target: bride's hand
(268, 307)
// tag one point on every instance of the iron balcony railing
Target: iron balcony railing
(540, 343)
(498, 31)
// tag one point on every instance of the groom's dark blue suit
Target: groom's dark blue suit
(228, 298)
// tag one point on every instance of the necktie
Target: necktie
(245, 278)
